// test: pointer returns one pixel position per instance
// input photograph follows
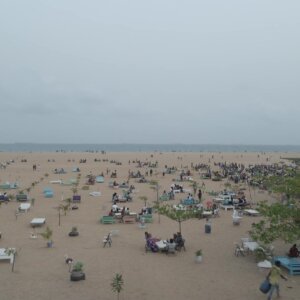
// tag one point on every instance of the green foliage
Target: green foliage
(144, 198)
(153, 182)
(281, 221)
(176, 215)
(198, 252)
(47, 234)
(117, 284)
(288, 184)
(78, 267)
(64, 208)
(74, 190)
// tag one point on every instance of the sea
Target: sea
(36, 147)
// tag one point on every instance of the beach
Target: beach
(41, 272)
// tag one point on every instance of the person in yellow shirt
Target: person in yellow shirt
(274, 277)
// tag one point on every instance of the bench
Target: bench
(129, 219)
(147, 218)
(21, 197)
(292, 264)
(76, 199)
(164, 197)
(107, 220)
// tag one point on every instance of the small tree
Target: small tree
(64, 208)
(144, 198)
(78, 267)
(178, 215)
(117, 284)
(74, 190)
(155, 186)
(47, 235)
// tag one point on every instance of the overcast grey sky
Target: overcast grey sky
(156, 71)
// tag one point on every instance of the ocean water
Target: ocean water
(33, 147)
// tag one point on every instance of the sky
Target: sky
(156, 71)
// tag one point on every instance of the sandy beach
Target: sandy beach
(41, 273)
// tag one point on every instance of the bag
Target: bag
(265, 286)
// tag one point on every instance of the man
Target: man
(273, 277)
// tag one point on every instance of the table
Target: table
(3, 255)
(162, 244)
(226, 207)
(250, 245)
(206, 213)
(24, 207)
(37, 222)
(251, 212)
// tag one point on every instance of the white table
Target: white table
(161, 244)
(37, 222)
(251, 212)
(24, 207)
(206, 213)
(250, 245)
(95, 194)
(226, 207)
(3, 255)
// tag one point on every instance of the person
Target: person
(171, 246)
(179, 240)
(147, 235)
(294, 252)
(115, 207)
(200, 195)
(273, 277)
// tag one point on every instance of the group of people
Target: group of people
(116, 209)
(174, 243)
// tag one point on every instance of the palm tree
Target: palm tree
(117, 284)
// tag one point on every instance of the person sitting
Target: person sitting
(115, 207)
(171, 246)
(179, 241)
(115, 197)
(147, 235)
(294, 252)
(151, 242)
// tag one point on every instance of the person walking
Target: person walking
(273, 276)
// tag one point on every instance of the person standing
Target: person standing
(273, 276)
(199, 195)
